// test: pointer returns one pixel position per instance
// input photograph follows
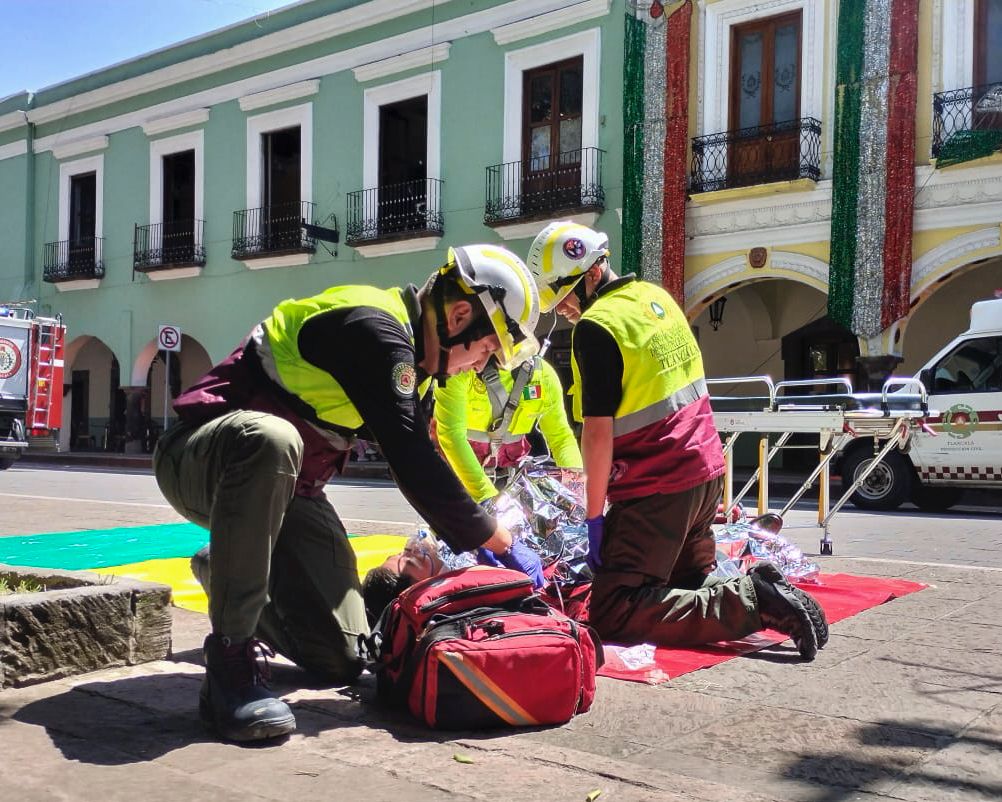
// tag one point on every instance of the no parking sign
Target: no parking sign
(169, 338)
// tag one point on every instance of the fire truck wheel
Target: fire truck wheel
(887, 487)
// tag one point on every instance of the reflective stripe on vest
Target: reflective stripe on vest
(277, 340)
(662, 366)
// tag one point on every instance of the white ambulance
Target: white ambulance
(964, 381)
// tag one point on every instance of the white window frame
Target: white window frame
(957, 42)
(194, 140)
(586, 44)
(261, 124)
(816, 90)
(428, 84)
(67, 170)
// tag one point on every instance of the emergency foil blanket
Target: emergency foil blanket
(544, 506)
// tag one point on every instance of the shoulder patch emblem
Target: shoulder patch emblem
(404, 379)
(658, 310)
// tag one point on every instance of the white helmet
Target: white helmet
(560, 256)
(503, 285)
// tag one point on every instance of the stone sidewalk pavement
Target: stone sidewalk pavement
(905, 703)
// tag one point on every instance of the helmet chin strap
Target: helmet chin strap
(474, 331)
(581, 290)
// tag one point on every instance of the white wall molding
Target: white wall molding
(78, 284)
(715, 55)
(194, 140)
(586, 44)
(78, 147)
(760, 221)
(531, 229)
(424, 57)
(172, 273)
(428, 84)
(186, 119)
(926, 268)
(957, 43)
(291, 260)
(339, 23)
(551, 21)
(412, 245)
(805, 269)
(67, 170)
(260, 124)
(272, 97)
(958, 196)
(12, 149)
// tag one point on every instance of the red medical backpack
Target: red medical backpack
(476, 648)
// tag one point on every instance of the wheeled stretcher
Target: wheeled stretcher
(827, 408)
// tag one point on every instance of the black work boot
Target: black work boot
(770, 573)
(782, 611)
(234, 701)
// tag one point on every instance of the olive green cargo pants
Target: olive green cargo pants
(282, 567)
(653, 584)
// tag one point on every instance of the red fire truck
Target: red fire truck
(31, 378)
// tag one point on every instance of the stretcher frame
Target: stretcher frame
(836, 420)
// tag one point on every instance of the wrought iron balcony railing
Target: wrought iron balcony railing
(177, 243)
(272, 230)
(395, 211)
(976, 108)
(544, 186)
(779, 152)
(73, 259)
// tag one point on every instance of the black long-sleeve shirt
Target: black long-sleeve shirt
(370, 355)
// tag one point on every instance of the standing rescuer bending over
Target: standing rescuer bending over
(263, 431)
(651, 449)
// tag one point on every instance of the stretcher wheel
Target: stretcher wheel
(826, 547)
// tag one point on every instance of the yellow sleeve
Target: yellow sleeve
(553, 422)
(450, 421)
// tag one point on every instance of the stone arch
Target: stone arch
(87, 418)
(950, 259)
(733, 272)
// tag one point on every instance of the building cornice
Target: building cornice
(298, 36)
(281, 94)
(449, 30)
(551, 21)
(423, 57)
(12, 149)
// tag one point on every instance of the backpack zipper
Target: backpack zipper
(474, 591)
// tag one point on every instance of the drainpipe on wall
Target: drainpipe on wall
(30, 279)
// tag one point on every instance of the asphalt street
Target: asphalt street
(45, 499)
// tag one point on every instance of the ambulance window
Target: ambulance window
(975, 366)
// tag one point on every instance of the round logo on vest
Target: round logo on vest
(404, 379)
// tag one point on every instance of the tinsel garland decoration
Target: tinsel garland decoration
(633, 143)
(656, 130)
(873, 181)
(676, 168)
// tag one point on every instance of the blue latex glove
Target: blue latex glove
(596, 529)
(519, 558)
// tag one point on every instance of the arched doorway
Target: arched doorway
(91, 408)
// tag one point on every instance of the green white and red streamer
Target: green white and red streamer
(874, 164)
(656, 131)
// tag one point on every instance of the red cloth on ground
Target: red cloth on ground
(840, 595)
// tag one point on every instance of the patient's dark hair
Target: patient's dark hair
(379, 588)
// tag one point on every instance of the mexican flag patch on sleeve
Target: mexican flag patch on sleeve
(532, 391)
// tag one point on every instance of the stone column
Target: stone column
(137, 402)
(872, 371)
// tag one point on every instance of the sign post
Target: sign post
(168, 339)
